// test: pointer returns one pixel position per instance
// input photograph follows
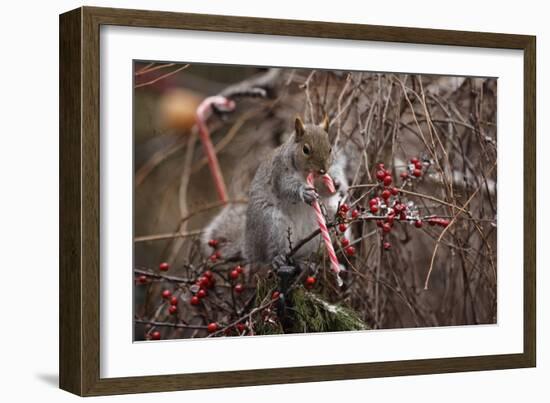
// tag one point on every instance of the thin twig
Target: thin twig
(162, 77)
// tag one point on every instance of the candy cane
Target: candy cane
(327, 180)
(325, 234)
(203, 111)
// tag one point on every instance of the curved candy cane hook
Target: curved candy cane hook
(203, 112)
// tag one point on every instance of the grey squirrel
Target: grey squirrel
(279, 199)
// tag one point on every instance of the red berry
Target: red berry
(404, 175)
(239, 288)
(234, 274)
(381, 175)
(350, 251)
(414, 160)
(394, 191)
(387, 180)
(399, 207)
(344, 207)
(386, 227)
(213, 243)
(155, 335)
(239, 269)
(275, 295)
(204, 282)
(417, 172)
(373, 202)
(379, 223)
(142, 279)
(166, 294)
(418, 165)
(195, 300)
(218, 254)
(202, 293)
(386, 194)
(390, 219)
(212, 327)
(240, 327)
(342, 227)
(310, 281)
(344, 242)
(172, 310)
(386, 245)
(174, 301)
(213, 258)
(418, 223)
(355, 213)
(208, 274)
(373, 209)
(164, 266)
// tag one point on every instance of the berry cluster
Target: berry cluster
(345, 213)
(344, 210)
(414, 169)
(201, 287)
(349, 249)
(386, 206)
(383, 175)
(234, 276)
(173, 308)
(213, 243)
(143, 279)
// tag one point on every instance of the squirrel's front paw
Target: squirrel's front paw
(309, 195)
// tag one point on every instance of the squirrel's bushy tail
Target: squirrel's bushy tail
(228, 229)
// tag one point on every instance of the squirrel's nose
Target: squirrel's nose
(322, 171)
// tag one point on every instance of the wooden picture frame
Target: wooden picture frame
(80, 199)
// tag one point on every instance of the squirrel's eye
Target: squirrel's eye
(306, 149)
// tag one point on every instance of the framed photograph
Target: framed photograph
(297, 201)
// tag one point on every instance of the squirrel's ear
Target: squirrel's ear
(299, 127)
(325, 123)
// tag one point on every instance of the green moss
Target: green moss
(313, 314)
(310, 313)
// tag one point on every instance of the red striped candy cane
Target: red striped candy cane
(327, 180)
(325, 234)
(203, 112)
